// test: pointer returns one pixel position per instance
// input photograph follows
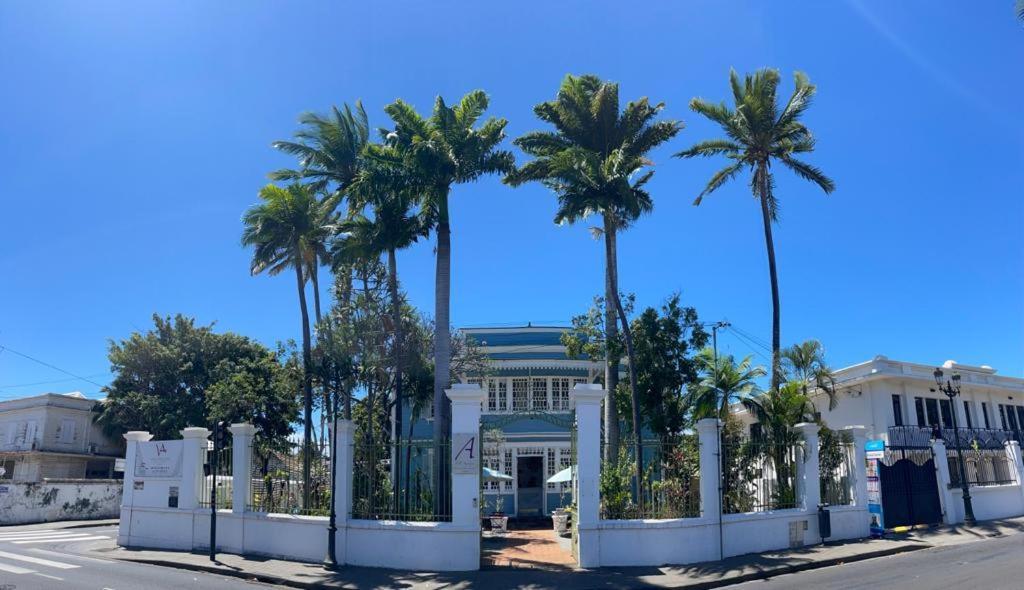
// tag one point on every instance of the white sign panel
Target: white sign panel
(465, 454)
(158, 458)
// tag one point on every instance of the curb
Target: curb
(702, 585)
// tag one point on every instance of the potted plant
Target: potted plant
(560, 515)
(499, 522)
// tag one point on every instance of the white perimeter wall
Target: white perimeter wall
(989, 502)
(53, 500)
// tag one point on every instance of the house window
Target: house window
(1020, 417)
(560, 393)
(508, 470)
(539, 394)
(497, 395)
(520, 394)
(984, 414)
(932, 405)
(897, 411)
(919, 408)
(967, 414)
(1002, 416)
(947, 413)
(552, 465)
(755, 431)
(7, 469)
(1011, 417)
(66, 434)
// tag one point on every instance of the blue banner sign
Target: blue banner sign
(874, 452)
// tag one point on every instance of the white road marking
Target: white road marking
(68, 555)
(48, 576)
(69, 539)
(13, 569)
(43, 537)
(34, 534)
(39, 561)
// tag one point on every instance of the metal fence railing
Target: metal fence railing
(278, 482)
(967, 438)
(836, 462)
(758, 476)
(983, 467)
(670, 486)
(419, 495)
(217, 473)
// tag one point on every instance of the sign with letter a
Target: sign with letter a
(465, 454)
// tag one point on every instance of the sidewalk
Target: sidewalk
(694, 577)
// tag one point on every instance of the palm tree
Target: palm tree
(777, 412)
(805, 363)
(759, 133)
(446, 149)
(594, 161)
(394, 226)
(723, 384)
(1020, 9)
(285, 232)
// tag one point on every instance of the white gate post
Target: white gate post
(1013, 456)
(942, 480)
(132, 437)
(710, 467)
(193, 447)
(344, 464)
(466, 447)
(241, 465)
(860, 475)
(587, 400)
(808, 470)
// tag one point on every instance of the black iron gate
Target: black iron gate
(910, 493)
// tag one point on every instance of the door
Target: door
(530, 486)
(910, 493)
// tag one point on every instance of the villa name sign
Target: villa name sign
(465, 454)
(159, 458)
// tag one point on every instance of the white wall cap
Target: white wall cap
(465, 393)
(138, 435)
(195, 432)
(242, 429)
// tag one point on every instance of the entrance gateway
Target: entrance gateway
(910, 491)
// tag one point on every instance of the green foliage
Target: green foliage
(179, 374)
(288, 226)
(328, 148)
(724, 383)
(614, 486)
(805, 363)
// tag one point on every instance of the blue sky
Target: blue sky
(133, 136)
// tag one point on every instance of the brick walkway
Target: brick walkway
(537, 548)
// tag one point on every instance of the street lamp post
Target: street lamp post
(951, 388)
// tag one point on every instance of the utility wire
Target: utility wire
(46, 364)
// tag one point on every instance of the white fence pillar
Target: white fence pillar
(241, 465)
(710, 467)
(942, 480)
(193, 454)
(808, 470)
(587, 400)
(344, 464)
(132, 437)
(466, 447)
(860, 475)
(1013, 456)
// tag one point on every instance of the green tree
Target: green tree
(287, 230)
(723, 384)
(805, 363)
(179, 374)
(446, 149)
(594, 161)
(777, 411)
(758, 133)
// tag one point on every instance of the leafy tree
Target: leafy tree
(446, 149)
(723, 384)
(594, 162)
(777, 411)
(179, 374)
(805, 363)
(758, 133)
(288, 229)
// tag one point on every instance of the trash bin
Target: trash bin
(824, 522)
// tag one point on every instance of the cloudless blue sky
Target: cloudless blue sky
(134, 134)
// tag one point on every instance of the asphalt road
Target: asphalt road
(992, 564)
(44, 557)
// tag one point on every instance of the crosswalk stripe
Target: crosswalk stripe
(39, 561)
(71, 556)
(27, 533)
(86, 538)
(13, 569)
(41, 537)
(37, 535)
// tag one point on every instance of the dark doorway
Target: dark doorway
(910, 493)
(530, 486)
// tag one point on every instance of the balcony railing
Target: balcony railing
(968, 438)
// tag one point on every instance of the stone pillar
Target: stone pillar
(808, 470)
(466, 447)
(942, 479)
(709, 440)
(1013, 456)
(192, 459)
(587, 398)
(860, 476)
(241, 465)
(343, 453)
(131, 437)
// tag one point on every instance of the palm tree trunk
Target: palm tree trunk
(611, 371)
(344, 298)
(396, 318)
(307, 385)
(314, 277)
(442, 351)
(764, 187)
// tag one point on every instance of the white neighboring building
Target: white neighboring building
(53, 436)
(882, 393)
